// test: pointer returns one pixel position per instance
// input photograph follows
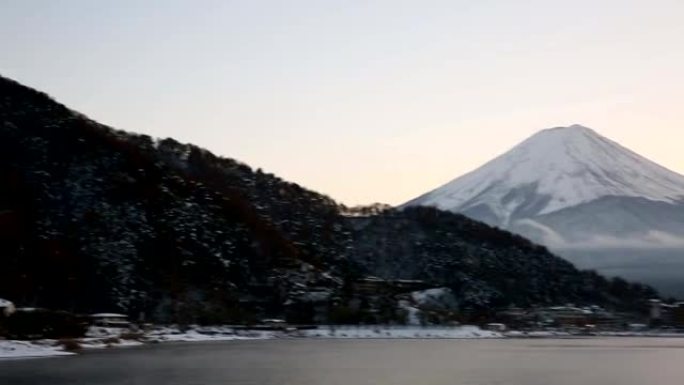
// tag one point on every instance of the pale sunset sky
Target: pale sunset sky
(362, 100)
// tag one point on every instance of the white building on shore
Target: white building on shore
(112, 320)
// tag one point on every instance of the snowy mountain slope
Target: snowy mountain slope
(589, 199)
(610, 221)
(554, 170)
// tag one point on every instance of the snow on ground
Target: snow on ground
(412, 313)
(647, 333)
(104, 332)
(435, 298)
(440, 298)
(102, 338)
(10, 349)
(461, 332)
(198, 334)
(98, 337)
(536, 334)
(227, 333)
(25, 349)
(103, 343)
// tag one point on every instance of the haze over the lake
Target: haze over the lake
(362, 100)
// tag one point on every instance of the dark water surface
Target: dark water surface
(624, 361)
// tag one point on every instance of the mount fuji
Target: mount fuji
(586, 197)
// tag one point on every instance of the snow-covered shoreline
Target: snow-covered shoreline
(207, 333)
(102, 338)
(24, 349)
(408, 332)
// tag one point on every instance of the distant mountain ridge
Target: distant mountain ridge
(536, 187)
(582, 195)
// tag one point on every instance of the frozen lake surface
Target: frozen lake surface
(592, 361)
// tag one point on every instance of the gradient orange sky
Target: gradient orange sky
(362, 100)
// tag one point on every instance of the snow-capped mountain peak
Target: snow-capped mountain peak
(552, 170)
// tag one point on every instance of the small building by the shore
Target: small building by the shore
(376, 286)
(495, 327)
(110, 320)
(664, 314)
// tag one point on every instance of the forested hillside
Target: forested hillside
(96, 219)
(93, 218)
(483, 265)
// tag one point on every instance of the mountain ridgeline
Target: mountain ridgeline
(584, 196)
(569, 187)
(96, 219)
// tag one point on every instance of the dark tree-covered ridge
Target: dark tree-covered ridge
(96, 219)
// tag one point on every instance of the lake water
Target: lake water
(624, 361)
